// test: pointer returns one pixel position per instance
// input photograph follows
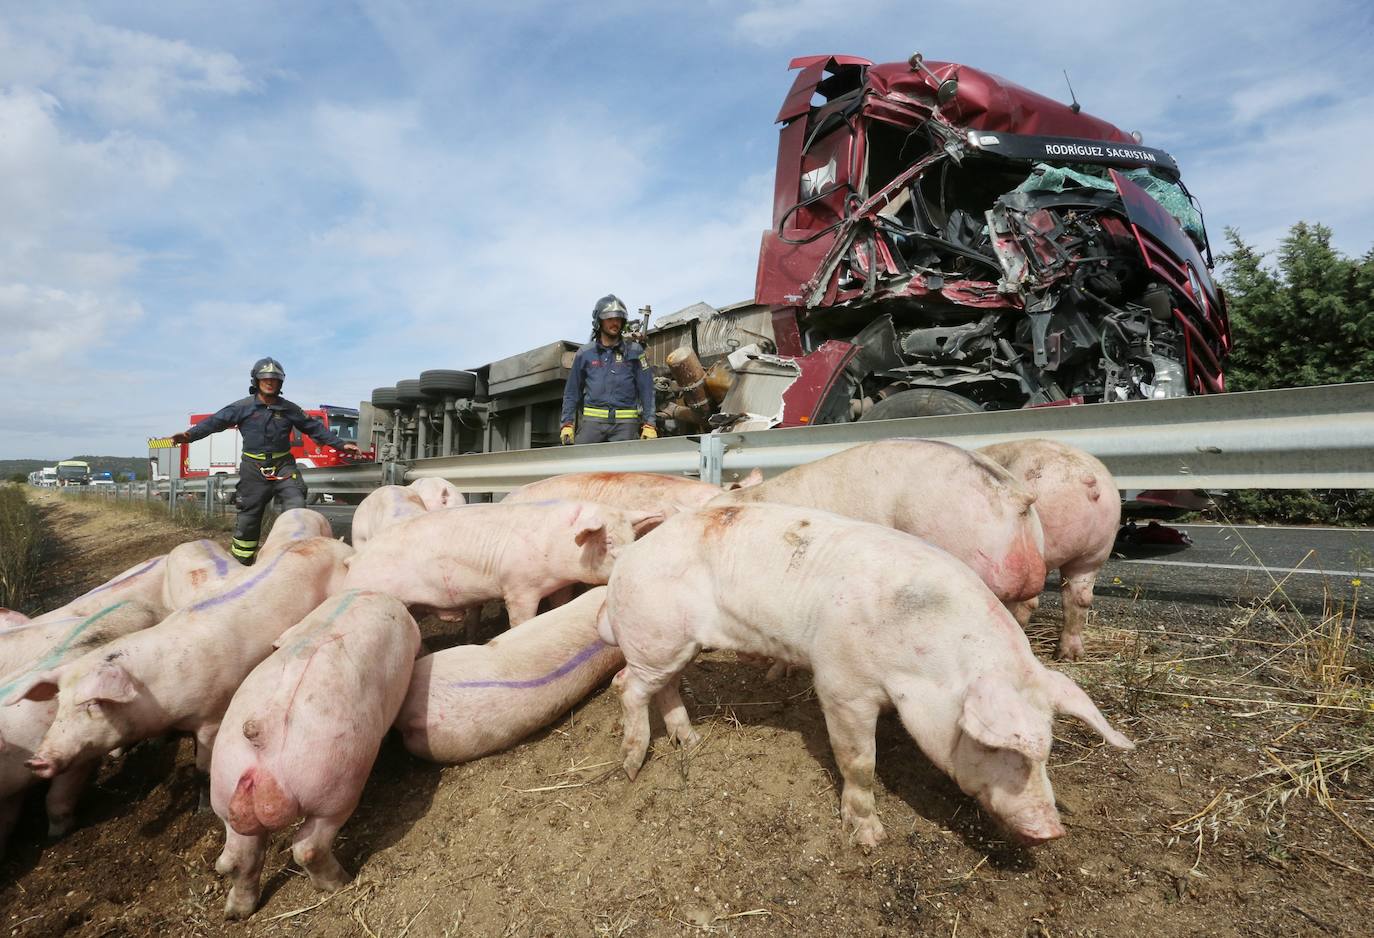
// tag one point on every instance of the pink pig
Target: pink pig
(959, 501)
(383, 507)
(181, 673)
(437, 493)
(453, 559)
(883, 619)
(1080, 510)
(142, 582)
(302, 733)
(194, 570)
(10, 618)
(23, 722)
(469, 701)
(645, 491)
(295, 524)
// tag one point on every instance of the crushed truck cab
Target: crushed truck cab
(940, 228)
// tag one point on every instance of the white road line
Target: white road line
(1243, 566)
(1271, 527)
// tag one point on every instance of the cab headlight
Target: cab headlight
(1170, 380)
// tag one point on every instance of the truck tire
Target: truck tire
(921, 402)
(385, 398)
(444, 383)
(409, 392)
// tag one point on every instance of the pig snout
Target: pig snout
(43, 766)
(1034, 831)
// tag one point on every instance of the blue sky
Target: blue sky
(367, 190)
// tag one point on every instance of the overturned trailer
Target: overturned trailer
(943, 241)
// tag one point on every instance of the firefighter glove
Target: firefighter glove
(565, 435)
(182, 437)
(648, 433)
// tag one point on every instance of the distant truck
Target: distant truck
(219, 453)
(73, 472)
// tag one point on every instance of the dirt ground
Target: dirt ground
(1247, 808)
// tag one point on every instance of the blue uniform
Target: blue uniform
(613, 384)
(266, 428)
(267, 469)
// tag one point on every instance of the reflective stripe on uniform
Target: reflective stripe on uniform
(603, 413)
(261, 456)
(240, 548)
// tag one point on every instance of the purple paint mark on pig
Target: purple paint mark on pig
(221, 565)
(582, 657)
(137, 573)
(240, 589)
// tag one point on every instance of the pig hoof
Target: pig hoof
(60, 826)
(687, 738)
(1070, 649)
(867, 832)
(776, 671)
(238, 906)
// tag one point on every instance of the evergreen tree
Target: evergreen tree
(1308, 321)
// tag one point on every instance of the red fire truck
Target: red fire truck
(219, 453)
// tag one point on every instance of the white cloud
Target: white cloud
(1267, 96)
(121, 75)
(44, 326)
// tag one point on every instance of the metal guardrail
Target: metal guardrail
(1319, 437)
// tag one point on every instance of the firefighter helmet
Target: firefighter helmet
(265, 368)
(609, 307)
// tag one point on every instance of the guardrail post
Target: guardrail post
(393, 473)
(211, 486)
(147, 491)
(172, 496)
(712, 456)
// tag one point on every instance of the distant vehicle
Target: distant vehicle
(219, 453)
(47, 477)
(73, 472)
(102, 483)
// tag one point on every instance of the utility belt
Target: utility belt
(271, 465)
(606, 413)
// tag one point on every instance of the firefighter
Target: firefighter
(610, 387)
(267, 470)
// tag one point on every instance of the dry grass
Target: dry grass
(1309, 697)
(185, 515)
(22, 543)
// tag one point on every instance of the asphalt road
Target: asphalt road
(1223, 565)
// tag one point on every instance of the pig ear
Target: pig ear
(36, 685)
(109, 682)
(588, 523)
(1067, 697)
(645, 521)
(1000, 717)
(754, 477)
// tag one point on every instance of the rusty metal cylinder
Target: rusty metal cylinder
(685, 417)
(689, 375)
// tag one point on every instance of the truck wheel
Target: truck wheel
(409, 392)
(385, 398)
(448, 383)
(921, 402)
